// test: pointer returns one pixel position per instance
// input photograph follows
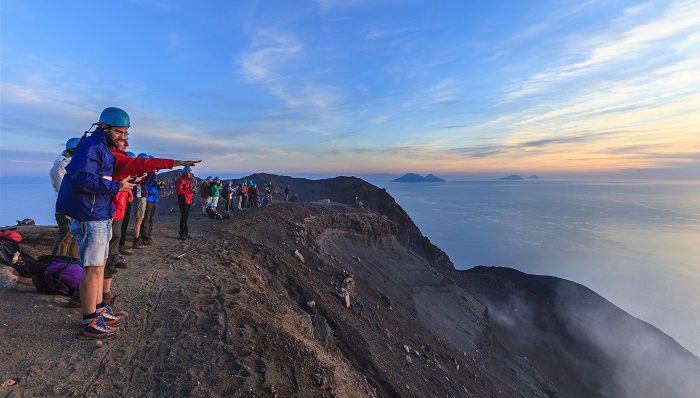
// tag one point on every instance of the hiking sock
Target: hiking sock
(88, 318)
(103, 303)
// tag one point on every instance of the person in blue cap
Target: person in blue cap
(215, 189)
(65, 244)
(85, 195)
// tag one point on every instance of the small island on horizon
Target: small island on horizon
(515, 177)
(412, 177)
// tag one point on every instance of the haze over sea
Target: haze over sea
(634, 242)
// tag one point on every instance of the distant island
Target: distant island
(412, 177)
(512, 177)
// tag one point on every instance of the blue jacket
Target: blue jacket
(152, 192)
(87, 188)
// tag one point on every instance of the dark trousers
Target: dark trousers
(147, 225)
(184, 215)
(113, 249)
(125, 224)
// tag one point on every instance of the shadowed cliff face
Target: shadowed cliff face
(585, 344)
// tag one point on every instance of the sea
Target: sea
(634, 242)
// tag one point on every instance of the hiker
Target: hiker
(268, 192)
(226, 193)
(119, 203)
(140, 197)
(215, 189)
(243, 195)
(252, 195)
(286, 194)
(123, 249)
(184, 190)
(151, 207)
(205, 194)
(65, 244)
(85, 196)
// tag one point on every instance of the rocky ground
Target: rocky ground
(253, 310)
(244, 315)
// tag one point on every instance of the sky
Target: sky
(557, 88)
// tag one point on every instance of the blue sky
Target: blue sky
(455, 88)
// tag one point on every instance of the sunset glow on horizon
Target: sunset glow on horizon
(554, 88)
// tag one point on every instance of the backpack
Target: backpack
(12, 255)
(57, 275)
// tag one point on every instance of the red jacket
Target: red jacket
(125, 165)
(119, 203)
(183, 187)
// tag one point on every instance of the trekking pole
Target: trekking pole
(183, 254)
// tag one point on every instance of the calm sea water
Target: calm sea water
(636, 243)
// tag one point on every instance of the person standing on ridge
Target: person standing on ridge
(123, 249)
(226, 195)
(140, 197)
(215, 189)
(85, 196)
(184, 190)
(151, 208)
(205, 194)
(65, 244)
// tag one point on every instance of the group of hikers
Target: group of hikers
(97, 183)
(232, 195)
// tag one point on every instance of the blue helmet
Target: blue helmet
(186, 169)
(216, 178)
(72, 143)
(142, 155)
(209, 178)
(131, 154)
(115, 117)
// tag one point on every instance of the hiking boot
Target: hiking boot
(96, 329)
(121, 265)
(125, 251)
(182, 237)
(109, 317)
(188, 236)
(148, 242)
(138, 243)
(110, 300)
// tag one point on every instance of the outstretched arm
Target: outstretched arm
(185, 162)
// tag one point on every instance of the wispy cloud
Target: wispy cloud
(269, 54)
(613, 49)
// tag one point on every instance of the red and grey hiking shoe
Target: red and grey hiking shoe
(109, 317)
(96, 329)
